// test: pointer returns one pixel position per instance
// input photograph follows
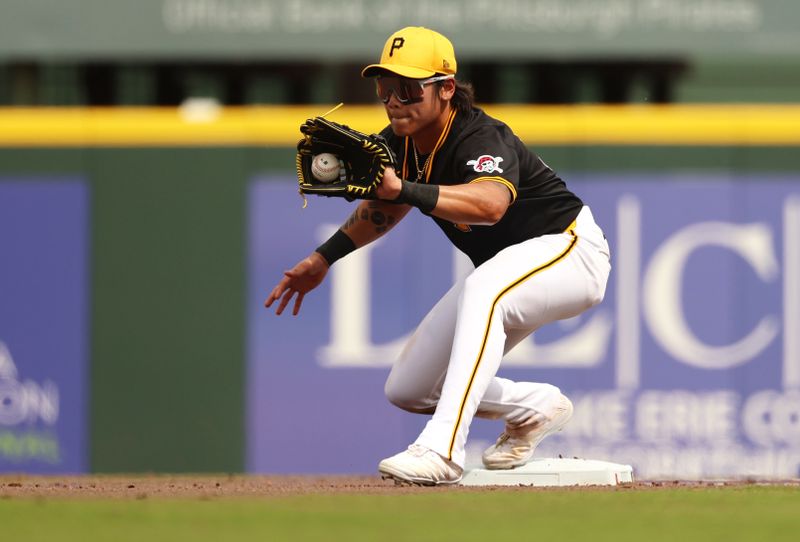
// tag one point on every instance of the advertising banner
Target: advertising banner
(690, 367)
(43, 325)
(348, 29)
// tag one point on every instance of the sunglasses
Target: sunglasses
(406, 91)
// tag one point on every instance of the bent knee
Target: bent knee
(408, 399)
(595, 298)
(597, 294)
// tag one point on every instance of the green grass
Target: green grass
(724, 514)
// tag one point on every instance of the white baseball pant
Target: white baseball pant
(448, 366)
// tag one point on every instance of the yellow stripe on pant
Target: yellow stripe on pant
(507, 289)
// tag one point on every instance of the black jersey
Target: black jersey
(474, 147)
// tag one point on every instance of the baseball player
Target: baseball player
(538, 255)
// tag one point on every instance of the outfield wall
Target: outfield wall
(160, 228)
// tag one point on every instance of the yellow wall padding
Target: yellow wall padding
(721, 125)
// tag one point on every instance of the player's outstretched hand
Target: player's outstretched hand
(299, 280)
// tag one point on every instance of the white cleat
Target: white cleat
(420, 465)
(515, 446)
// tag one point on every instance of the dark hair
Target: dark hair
(464, 97)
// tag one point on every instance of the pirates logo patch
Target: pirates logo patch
(486, 164)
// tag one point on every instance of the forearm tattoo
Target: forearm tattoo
(373, 214)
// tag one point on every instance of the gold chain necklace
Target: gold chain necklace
(420, 172)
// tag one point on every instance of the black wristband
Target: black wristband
(422, 196)
(338, 246)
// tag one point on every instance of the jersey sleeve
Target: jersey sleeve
(486, 156)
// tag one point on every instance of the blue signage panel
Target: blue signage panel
(689, 368)
(43, 325)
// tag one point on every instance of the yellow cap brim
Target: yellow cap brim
(404, 71)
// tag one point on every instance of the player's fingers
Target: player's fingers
(284, 301)
(278, 291)
(274, 294)
(297, 302)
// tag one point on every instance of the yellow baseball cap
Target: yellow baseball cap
(415, 52)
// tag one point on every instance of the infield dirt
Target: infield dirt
(224, 486)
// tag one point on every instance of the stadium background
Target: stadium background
(140, 142)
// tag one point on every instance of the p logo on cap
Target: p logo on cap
(396, 44)
(415, 52)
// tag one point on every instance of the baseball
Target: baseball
(325, 167)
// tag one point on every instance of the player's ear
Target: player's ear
(447, 89)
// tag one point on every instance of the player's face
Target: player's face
(422, 108)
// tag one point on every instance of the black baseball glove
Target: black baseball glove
(363, 159)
